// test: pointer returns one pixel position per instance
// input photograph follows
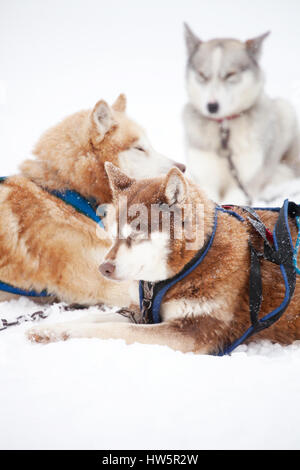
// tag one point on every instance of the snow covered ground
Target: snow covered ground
(55, 58)
(106, 395)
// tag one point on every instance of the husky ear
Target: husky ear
(120, 103)
(103, 118)
(175, 187)
(191, 40)
(118, 180)
(254, 46)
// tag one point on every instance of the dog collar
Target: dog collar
(85, 206)
(280, 252)
(227, 118)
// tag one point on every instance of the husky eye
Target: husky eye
(202, 77)
(230, 76)
(140, 149)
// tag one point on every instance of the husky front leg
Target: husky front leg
(276, 168)
(162, 334)
(122, 315)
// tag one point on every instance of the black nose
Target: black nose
(107, 269)
(213, 107)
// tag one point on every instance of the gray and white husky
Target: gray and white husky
(239, 140)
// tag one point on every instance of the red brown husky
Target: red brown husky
(45, 243)
(208, 309)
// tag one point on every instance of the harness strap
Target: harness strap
(297, 245)
(255, 286)
(4, 286)
(258, 225)
(283, 256)
(81, 204)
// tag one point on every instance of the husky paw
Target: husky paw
(47, 334)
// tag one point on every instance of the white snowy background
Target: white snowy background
(57, 57)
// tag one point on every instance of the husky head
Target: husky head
(72, 154)
(150, 214)
(223, 75)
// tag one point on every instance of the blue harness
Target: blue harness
(82, 205)
(278, 249)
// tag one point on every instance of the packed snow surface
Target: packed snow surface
(57, 58)
(94, 394)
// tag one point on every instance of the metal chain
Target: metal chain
(226, 152)
(127, 313)
(42, 314)
(4, 324)
(147, 301)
